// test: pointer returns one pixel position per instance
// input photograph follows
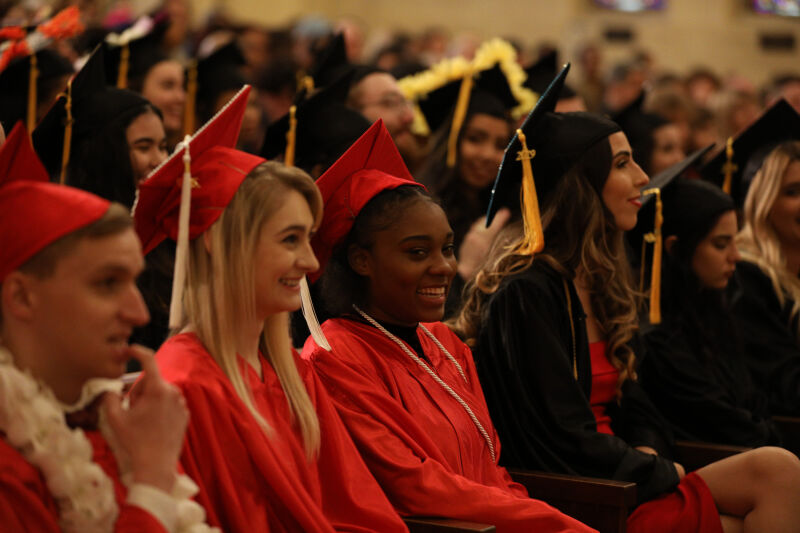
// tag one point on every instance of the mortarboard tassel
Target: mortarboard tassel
(655, 275)
(67, 134)
(459, 115)
(191, 99)
(307, 83)
(533, 240)
(291, 138)
(729, 167)
(32, 76)
(306, 303)
(182, 249)
(122, 73)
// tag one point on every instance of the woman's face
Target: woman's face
(785, 213)
(147, 144)
(714, 260)
(483, 142)
(283, 256)
(163, 86)
(621, 193)
(410, 266)
(667, 148)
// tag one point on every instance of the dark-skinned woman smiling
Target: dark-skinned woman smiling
(404, 384)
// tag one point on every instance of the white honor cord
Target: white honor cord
(433, 374)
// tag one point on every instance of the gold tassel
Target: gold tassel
(191, 99)
(67, 134)
(33, 74)
(655, 275)
(307, 83)
(641, 263)
(459, 115)
(122, 72)
(291, 138)
(729, 167)
(533, 240)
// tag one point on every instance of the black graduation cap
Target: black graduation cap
(558, 140)
(330, 62)
(491, 94)
(14, 83)
(777, 124)
(143, 54)
(541, 73)
(639, 126)
(218, 72)
(663, 181)
(93, 105)
(325, 128)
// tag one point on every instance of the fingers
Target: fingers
(112, 404)
(500, 220)
(148, 362)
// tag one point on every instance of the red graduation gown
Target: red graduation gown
(417, 440)
(253, 483)
(26, 505)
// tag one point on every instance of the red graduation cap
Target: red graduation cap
(371, 165)
(217, 170)
(34, 212)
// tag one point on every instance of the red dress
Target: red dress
(690, 507)
(253, 483)
(26, 505)
(418, 441)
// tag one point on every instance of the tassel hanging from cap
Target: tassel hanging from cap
(655, 274)
(191, 99)
(65, 151)
(291, 138)
(33, 75)
(459, 115)
(122, 72)
(182, 249)
(533, 239)
(729, 167)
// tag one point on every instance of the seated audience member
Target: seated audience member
(694, 368)
(73, 458)
(552, 317)
(765, 293)
(404, 385)
(264, 441)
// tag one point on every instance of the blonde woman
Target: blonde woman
(264, 442)
(766, 298)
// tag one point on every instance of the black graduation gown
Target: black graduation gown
(771, 348)
(524, 356)
(704, 399)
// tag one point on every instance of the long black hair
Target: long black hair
(701, 312)
(100, 162)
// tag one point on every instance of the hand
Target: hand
(151, 432)
(647, 449)
(475, 246)
(680, 469)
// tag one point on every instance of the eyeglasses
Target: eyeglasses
(391, 102)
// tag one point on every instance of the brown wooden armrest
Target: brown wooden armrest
(789, 426)
(694, 455)
(603, 504)
(417, 524)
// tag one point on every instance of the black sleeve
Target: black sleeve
(771, 349)
(540, 410)
(695, 398)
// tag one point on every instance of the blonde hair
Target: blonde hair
(579, 235)
(757, 241)
(221, 294)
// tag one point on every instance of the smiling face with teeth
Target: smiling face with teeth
(283, 256)
(409, 267)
